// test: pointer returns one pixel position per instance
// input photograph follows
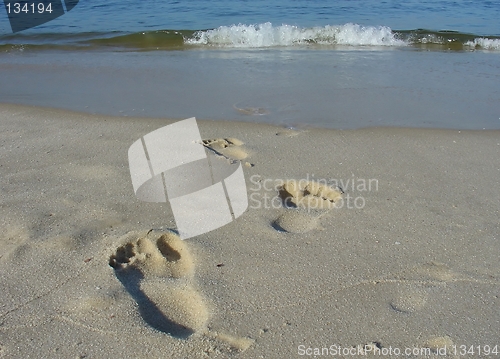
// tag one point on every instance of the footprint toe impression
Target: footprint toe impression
(309, 195)
(158, 275)
(229, 148)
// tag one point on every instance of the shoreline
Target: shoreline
(89, 270)
(167, 119)
(342, 89)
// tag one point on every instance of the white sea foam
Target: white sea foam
(484, 43)
(267, 35)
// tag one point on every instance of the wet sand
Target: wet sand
(342, 88)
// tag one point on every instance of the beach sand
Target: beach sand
(407, 258)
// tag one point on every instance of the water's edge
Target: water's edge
(253, 36)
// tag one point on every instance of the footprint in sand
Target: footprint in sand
(437, 344)
(307, 202)
(409, 299)
(158, 274)
(11, 239)
(436, 271)
(431, 272)
(229, 148)
(415, 283)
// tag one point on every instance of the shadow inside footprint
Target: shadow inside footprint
(276, 225)
(167, 251)
(287, 198)
(130, 278)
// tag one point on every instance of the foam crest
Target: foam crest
(484, 43)
(267, 35)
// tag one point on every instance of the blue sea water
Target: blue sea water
(478, 17)
(340, 64)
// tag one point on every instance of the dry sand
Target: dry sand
(89, 271)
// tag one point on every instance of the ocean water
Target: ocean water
(476, 17)
(342, 64)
